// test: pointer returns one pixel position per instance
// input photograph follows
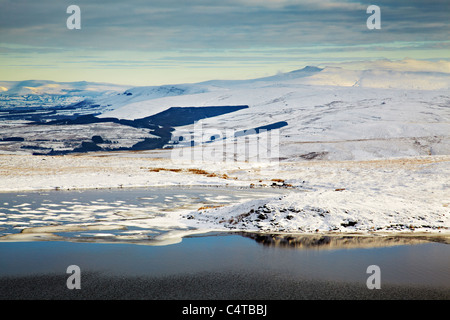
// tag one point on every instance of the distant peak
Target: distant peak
(308, 69)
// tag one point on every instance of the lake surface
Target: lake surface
(421, 264)
(136, 214)
(403, 261)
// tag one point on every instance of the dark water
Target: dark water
(403, 261)
(420, 264)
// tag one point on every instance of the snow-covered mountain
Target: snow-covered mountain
(136, 102)
(396, 112)
(46, 87)
(332, 113)
(336, 113)
(48, 94)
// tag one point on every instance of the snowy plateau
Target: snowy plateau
(358, 151)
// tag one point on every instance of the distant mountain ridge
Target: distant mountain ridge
(37, 87)
(371, 76)
(341, 112)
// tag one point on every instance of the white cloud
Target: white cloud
(404, 65)
(414, 65)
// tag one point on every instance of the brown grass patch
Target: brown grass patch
(193, 171)
(198, 171)
(164, 169)
(209, 207)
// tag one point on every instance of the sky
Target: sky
(156, 42)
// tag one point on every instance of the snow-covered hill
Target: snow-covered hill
(392, 121)
(332, 113)
(46, 87)
(49, 94)
(382, 109)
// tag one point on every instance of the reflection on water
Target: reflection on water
(421, 264)
(149, 216)
(329, 242)
(142, 216)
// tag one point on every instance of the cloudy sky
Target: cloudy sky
(139, 42)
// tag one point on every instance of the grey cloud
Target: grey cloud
(205, 24)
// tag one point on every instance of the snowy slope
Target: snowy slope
(393, 124)
(224, 91)
(331, 113)
(388, 79)
(384, 110)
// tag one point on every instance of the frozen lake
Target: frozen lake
(105, 215)
(260, 263)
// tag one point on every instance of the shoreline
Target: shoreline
(398, 195)
(351, 240)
